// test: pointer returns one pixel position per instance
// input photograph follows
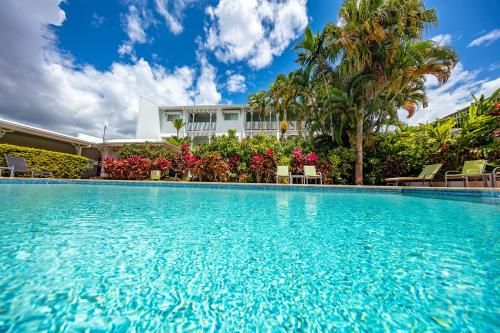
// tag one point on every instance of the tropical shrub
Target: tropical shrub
(226, 145)
(134, 167)
(148, 150)
(297, 162)
(299, 159)
(257, 166)
(177, 141)
(342, 163)
(263, 166)
(60, 164)
(447, 141)
(260, 144)
(215, 168)
(184, 161)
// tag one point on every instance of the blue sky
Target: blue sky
(71, 65)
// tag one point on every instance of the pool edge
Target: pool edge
(481, 195)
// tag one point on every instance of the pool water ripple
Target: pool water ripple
(79, 258)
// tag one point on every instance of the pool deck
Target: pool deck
(481, 195)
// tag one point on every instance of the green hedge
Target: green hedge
(62, 165)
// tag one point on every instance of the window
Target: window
(231, 116)
(172, 116)
(204, 118)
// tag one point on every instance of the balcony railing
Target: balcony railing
(271, 126)
(201, 127)
(261, 126)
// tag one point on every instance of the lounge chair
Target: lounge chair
(310, 173)
(427, 175)
(471, 170)
(18, 165)
(282, 173)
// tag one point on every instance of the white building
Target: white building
(154, 122)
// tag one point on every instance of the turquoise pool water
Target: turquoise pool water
(82, 258)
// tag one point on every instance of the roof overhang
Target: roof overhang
(10, 126)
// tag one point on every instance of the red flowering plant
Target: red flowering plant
(263, 167)
(115, 169)
(269, 171)
(257, 166)
(311, 159)
(327, 171)
(197, 169)
(184, 161)
(138, 167)
(216, 169)
(162, 164)
(298, 162)
(133, 167)
(233, 163)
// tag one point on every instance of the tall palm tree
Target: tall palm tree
(259, 103)
(379, 45)
(178, 124)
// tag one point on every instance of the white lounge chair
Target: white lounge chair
(310, 173)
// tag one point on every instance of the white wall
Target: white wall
(224, 125)
(148, 121)
(167, 129)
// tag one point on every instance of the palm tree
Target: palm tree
(260, 103)
(178, 124)
(379, 45)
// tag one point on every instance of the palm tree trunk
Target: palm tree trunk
(358, 175)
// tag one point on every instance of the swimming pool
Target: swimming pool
(115, 258)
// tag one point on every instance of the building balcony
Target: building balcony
(261, 126)
(201, 127)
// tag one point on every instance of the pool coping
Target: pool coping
(482, 195)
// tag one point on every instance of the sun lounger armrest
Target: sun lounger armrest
(451, 172)
(496, 170)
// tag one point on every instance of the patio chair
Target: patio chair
(471, 170)
(282, 173)
(18, 165)
(310, 173)
(427, 175)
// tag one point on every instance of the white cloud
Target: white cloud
(254, 30)
(137, 20)
(97, 20)
(494, 66)
(135, 28)
(453, 95)
(206, 85)
(487, 39)
(39, 85)
(443, 39)
(236, 83)
(173, 14)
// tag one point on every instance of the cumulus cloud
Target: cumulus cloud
(254, 30)
(206, 84)
(453, 95)
(42, 86)
(136, 21)
(236, 83)
(173, 13)
(487, 39)
(443, 39)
